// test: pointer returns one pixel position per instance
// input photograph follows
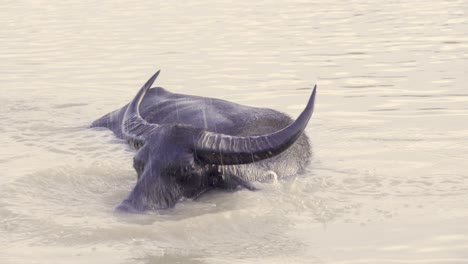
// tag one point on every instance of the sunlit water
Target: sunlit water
(388, 182)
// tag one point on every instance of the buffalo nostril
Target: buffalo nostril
(127, 207)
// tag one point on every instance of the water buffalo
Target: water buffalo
(187, 145)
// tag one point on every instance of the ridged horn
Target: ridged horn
(221, 149)
(134, 127)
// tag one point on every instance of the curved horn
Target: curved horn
(134, 127)
(221, 149)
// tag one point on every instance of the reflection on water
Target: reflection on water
(388, 182)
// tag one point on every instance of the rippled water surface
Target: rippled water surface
(388, 182)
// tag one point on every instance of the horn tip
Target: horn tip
(150, 82)
(314, 90)
(155, 75)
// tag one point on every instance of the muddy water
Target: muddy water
(388, 182)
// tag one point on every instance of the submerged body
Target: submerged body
(168, 124)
